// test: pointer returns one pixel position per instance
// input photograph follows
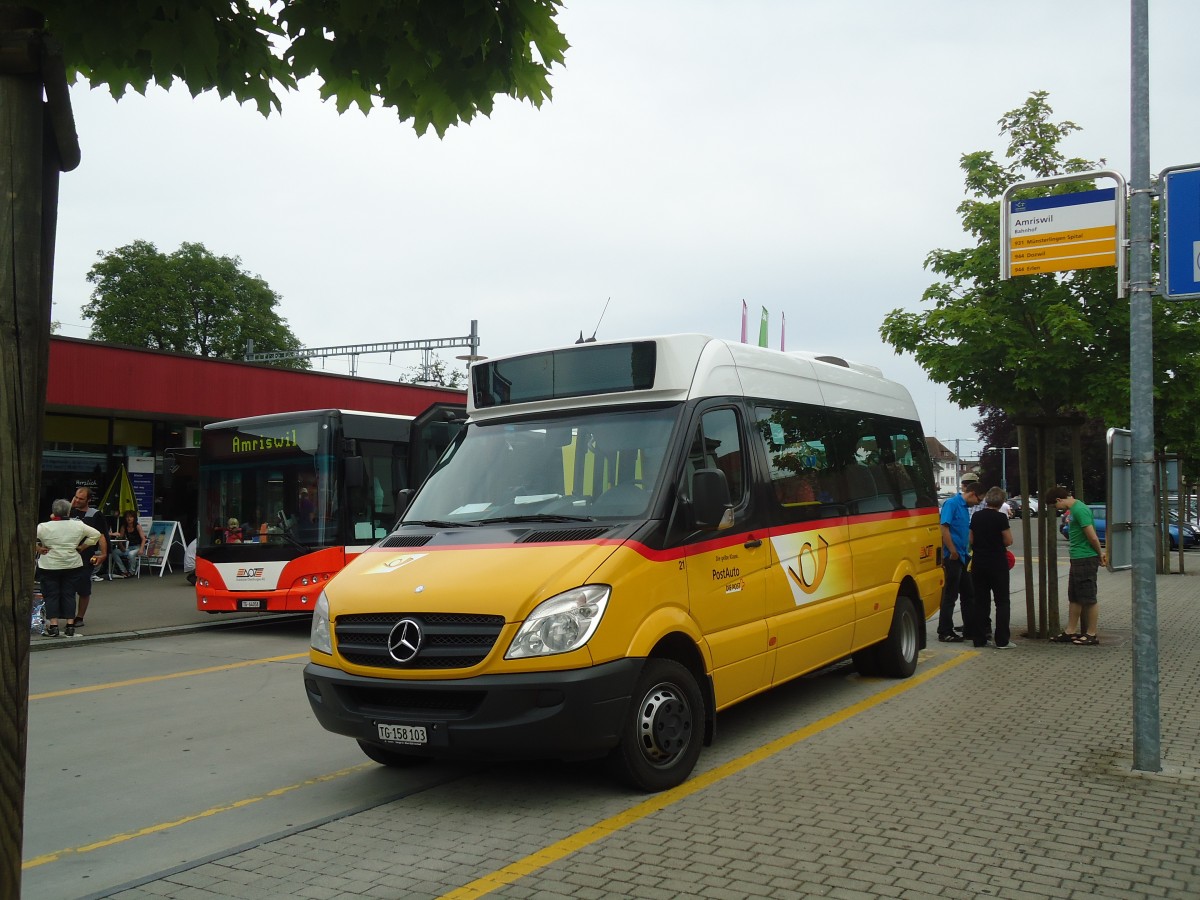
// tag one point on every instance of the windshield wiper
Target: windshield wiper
(538, 517)
(438, 523)
(287, 535)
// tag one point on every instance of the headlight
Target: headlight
(562, 623)
(319, 638)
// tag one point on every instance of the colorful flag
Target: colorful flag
(762, 328)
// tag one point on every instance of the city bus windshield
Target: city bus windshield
(584, 465)
(268, 483)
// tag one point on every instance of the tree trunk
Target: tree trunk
(26, 260)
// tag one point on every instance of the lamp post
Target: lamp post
(958, 466)
(1003, 465)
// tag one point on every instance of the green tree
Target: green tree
(189, 301)
(434, 62)
(1042, 345)
(436, 371)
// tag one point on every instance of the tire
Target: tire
(897, 653)
(663, 730)
(386, 757)
(866, 661)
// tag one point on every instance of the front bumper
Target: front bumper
(573, 714)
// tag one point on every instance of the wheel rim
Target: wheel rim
(664, 724)
(908, 636)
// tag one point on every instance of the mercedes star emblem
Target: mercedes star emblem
(404, 640)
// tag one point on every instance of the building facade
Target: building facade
(109, 406)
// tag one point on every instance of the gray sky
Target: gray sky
(801, 156)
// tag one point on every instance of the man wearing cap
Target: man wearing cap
(956, 528)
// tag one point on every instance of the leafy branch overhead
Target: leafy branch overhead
(435, 62)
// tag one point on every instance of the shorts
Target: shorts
(83, 581)
(1081, 582)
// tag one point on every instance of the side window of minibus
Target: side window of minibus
(717, 444)
(794, 438)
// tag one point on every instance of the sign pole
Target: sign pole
(1146, 738)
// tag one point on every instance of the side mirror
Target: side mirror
(711, 507)
(403, 498)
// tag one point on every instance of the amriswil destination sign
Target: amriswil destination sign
(1062, 233)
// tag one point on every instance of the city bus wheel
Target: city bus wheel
(897, 654)
(663, 729)
(386, 757)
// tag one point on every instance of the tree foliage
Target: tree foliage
(436, 62)
(1041, 345)
(437, 371)
(189, 301)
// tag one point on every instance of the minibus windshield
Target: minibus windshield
(586, 465)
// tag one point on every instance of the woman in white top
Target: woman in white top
(59, 543)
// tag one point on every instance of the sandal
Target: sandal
(1064, 638)
(1086, 640)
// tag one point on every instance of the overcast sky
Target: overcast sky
(800, 156)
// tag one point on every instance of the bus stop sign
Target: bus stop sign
(1180, 263)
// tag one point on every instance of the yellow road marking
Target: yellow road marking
(212, 811)
(556, 851)
(150, 679)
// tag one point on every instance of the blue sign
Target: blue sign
(1180, 262)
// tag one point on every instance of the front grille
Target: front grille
(448, 640)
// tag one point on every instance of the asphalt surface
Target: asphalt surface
(129, 608)
(990, 773)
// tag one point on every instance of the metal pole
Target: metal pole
(1146, 743)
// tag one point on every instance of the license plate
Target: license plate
(402, 734)
(252, 604)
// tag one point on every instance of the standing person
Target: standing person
(61, 542)
(990, 538)
(956, 527)
(130, 531)
(1087, 556)
(81, 509)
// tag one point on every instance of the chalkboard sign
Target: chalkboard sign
(160, 536)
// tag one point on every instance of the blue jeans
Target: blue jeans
(957, 587)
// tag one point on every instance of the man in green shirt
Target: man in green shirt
(1086, 558)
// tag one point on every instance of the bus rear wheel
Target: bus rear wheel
(663, 729)
(896, 655)
(386, 757)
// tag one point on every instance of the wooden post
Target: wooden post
(1027, 530)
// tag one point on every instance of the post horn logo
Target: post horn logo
(810, 581)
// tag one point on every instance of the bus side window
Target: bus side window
(718, 445)
(802, 483)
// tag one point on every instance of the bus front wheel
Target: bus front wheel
(663, 729)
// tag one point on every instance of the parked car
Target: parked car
(1191, 537)
(1018, 511)
(1099, 513)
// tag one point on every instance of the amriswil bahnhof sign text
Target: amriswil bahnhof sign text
(1062, 233)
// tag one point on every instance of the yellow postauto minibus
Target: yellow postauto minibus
(626, 538)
